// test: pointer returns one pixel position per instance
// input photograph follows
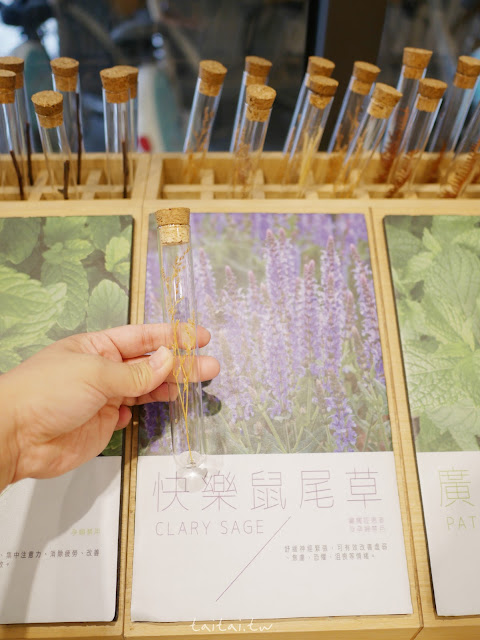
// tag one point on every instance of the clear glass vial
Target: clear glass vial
(115, 83)
(316, 66)
(66, 81)
(366, 140)
(251, 138)
(11, 127)
(416, 136)
(179, 312)
(202, 116)
(256, 72)
(310, 130)
(132, 73)
(49, 111)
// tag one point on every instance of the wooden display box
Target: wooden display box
(434, 626)
(167, 179)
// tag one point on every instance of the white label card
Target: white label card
(269, 536)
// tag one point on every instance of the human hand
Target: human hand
(61, 406)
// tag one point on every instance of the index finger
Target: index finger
(135, 340)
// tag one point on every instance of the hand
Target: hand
(61, 406)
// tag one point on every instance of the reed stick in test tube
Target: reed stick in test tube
(466, 162)
(453, 114)
(115, 83)
(417, 133)
(251, 138)
(11, 127)
(366, 140)
(316, 66)
(256, 71)
(66, 81)
(132, 73)
(415, 62)
(310, 130)
(202, 116)
(15, 64)
(49, 111)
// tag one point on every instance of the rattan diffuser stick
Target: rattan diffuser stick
(25, 134)
(66, 81)
(49, 110)
(10, 126)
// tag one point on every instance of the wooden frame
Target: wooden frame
(398, 627)
(446, 628)
(114, 629)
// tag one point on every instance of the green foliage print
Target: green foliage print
(435, 267)
(60, 276)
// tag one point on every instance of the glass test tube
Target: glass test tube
(316, 66)
(11, 126)
(466, 160)
(49, 110)
(178, 305)
(454, 111)
(251, 138)
(310, 130)
(132, 102)
(15, 64)
(66, 81)
(256, 72)
(115, 91)
(415, 62)
(416, 136)
(202, 115)
(366, 140)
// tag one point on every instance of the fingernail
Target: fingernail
(160, 358)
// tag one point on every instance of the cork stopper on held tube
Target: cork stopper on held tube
(383, 100)
(115, 83)
(260, 100)
(49, 108)
(363, 76)
(7, 86)
(468, 70)
(211, 74)
(174, 225)
(430, 92)
(65, 71)
(320, 66)
(415, 61)
(132, 73)
(322, 90)
(12, 63)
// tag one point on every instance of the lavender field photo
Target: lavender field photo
(290, 304)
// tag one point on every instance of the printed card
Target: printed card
(298, 514)
(59, 537)
(435, 268)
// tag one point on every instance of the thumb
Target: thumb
(134, 380)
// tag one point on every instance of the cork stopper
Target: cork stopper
(115, 83)
(363, 76)
(260, 100)
(12, 63)
(65, 71)
(258, 67)
(49, 108)
(430, 91)
(132, 73)
(320, 66)
(212, 75)
(7, 86)
(384, 99)
(468, 70)
(174, 225)
(323, 89)
(415, 62)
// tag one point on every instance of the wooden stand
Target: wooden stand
(157, 178)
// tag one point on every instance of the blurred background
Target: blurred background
(166, 40)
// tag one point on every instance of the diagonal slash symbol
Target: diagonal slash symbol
(255, 556)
